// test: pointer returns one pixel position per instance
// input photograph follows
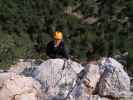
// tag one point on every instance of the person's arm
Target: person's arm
(65, 52)
(49, 50)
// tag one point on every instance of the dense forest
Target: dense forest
(26, 26)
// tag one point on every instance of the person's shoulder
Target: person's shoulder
(51, 42)
(62, 43)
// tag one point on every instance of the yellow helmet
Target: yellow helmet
(58, 35)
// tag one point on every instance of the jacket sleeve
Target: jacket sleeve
(65, 52)
(49, 50)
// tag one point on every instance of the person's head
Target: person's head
(58, 36)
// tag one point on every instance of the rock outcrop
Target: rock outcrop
(114, 81)
(58, 79)
(16, 87)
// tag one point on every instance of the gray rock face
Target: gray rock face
(92, 76)
(108, 80)
(20, 66)
(58, 79)
(87, 86)
(114, 81)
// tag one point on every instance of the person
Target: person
(56, 48)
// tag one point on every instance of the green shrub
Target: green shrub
(13, 47)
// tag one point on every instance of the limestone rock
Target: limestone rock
(16, 87)
(114, 81)
(57, 76)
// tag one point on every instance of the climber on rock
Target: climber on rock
(56, 47)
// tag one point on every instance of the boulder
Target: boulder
(60, 78)
(96, 97)
(20, 66)
(92, 77)
(57, 77)
(114, 81)
(16, 87)
(86, 87)
(107, 80)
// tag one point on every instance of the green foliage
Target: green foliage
(13, 47)
(23, 45)
(26, 26)
(6, 49)
(130, 50)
